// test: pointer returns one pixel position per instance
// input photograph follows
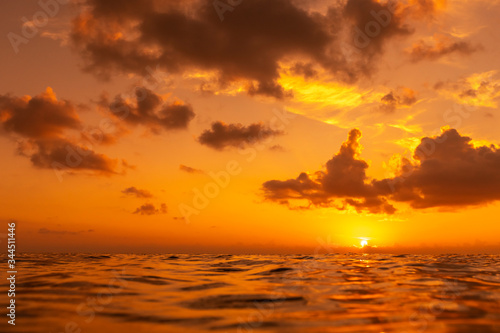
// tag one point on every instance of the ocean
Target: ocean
(354, 292)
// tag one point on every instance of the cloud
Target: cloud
(479, 89)
(277, 148)
(374, 24)
(448, 171)
(187, 169)
(305, 70)
(40, 124)
(137, 192)
(223, 135)
(344, 183)
(98, 136)
(65, 155)
(249, 44)
(42, 116)
(402, 97)
(438, 46)
(150, 209)
(150, 111)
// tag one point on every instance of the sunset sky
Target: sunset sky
(250, 125)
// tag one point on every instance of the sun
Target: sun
(363, 242)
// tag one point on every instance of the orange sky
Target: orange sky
(261, 127)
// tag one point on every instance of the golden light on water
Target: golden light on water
(296, 165)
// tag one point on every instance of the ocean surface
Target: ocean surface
(255, 293)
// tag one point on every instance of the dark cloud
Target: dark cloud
(375, 23)
(150, 111)
(249, 44)
(187, 169)
(223, 135)
(441, 45)
(396, 99)
(343, 183)
(39, 125)
(150, 209)
(269, 88)
(42, 116)
(448, 172)
(305, 70)
(62, 154)
(137, 192)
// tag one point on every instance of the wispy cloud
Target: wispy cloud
(480, 89)
(440, 45)
(188, 169)
(133, 191)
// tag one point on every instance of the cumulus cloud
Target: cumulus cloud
(222, 135)
(438, 46)
(150, 209)
(39, 125)
(150, 111)
(402, 97)
(344, 183)
(133, 191)
(447, 171)
(42, 116)
(188, 169)
(450, 171)
(248, 45)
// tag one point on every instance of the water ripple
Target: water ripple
(243, 293)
